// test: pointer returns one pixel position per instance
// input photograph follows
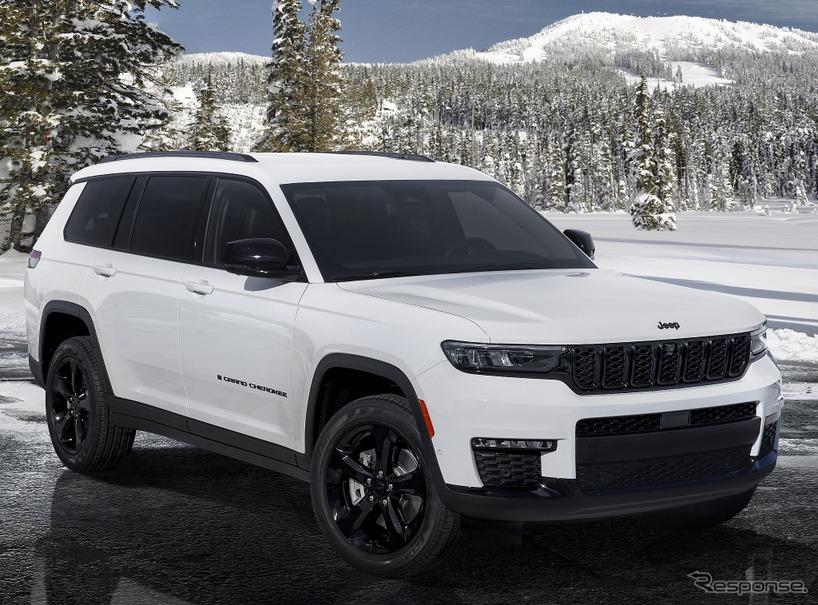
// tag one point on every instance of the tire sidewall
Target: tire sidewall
(351, 416)
(78, 350)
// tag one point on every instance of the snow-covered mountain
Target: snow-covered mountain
(669, 37)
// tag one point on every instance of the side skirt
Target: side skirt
(142, 417)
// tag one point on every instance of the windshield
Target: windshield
(373, 229)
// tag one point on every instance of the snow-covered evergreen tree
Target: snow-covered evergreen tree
(649, 211)
(77, 87)
(29, 120)
(324, 114)
(645, 168)
(210, 130)
(286, 81)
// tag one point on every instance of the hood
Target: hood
(569, 306)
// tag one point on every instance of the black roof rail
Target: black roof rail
(183, 153)
(388, 154)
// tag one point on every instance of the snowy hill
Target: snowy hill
(670, 37)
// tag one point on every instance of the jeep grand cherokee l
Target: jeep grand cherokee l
(408, 336)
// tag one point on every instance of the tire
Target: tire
(396, 526)
(701, 516)
(77, 405)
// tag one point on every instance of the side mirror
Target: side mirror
(582, 240)
(257, 257)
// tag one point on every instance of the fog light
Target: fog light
(514, 445)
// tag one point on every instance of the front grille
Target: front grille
(661, 364)
(608, 477)
(646, 423)
(509, 469)
(768, 443)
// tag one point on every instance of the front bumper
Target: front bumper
(465, 406)
(565, 502)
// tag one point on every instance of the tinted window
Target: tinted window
(243, 212)
(370, 229)
(96, 216)
(168, 217)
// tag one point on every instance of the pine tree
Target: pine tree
(286, 81)
(649, 211)
(665, 174)
(30, 65)
(322, 91)
(210, 129)
(645, 181)
(556, 177)
(77, 80)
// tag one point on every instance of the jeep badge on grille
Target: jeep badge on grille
(668, 326)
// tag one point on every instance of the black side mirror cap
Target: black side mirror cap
(258, 257)
(582, 240)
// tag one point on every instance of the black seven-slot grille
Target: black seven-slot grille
(660, 364)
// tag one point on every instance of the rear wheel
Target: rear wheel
(372, 494)
(83, 435)
(703, 515)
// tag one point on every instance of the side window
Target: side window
(96, 216)
(243, 211)
(168, 217)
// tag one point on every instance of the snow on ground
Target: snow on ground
(693, 74)
(12, 319)
(22, 409)
(769, 261)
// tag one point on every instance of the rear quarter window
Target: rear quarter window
(96, 215)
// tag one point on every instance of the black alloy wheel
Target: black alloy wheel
(71, 411)
(77, 407)
(376, 488)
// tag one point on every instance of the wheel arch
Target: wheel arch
(376, 368)
(61, 320)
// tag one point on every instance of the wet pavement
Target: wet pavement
(175, 524)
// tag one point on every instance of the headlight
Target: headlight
(472, 357)
(758, 341)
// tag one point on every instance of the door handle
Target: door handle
(199, 287)
(107, 270)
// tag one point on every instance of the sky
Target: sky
(405, 30)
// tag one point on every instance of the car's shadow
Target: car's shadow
(176, 524)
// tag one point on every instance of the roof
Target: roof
(284, 168)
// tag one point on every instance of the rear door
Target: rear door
(237, 332)
(137, 285)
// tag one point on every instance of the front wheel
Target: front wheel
(372, 493)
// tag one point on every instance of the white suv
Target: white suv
(409, 336)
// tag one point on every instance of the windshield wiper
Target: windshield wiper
(371, 275)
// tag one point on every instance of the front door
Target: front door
(237, 332)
